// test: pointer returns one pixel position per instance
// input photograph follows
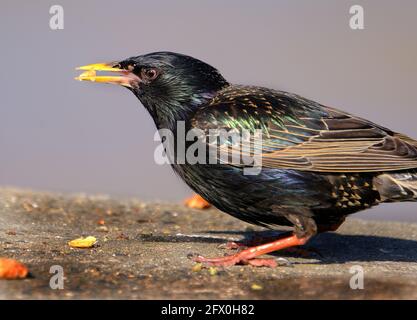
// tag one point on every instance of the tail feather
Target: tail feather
(397, 186)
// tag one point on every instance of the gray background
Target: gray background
(62, 135)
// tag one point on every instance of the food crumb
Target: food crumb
(87, 242)
(197, 267)
(12, 269)
(212, 271)
(197, 202)
(256, 287)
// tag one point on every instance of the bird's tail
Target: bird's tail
(397, 186)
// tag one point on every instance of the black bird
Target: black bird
(319, 164)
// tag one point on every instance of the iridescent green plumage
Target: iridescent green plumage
(319, 164)
(304, 135)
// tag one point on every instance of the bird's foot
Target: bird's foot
(248, 256)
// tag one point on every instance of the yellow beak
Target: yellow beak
(124, 78)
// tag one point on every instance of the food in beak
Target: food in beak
(124, 78)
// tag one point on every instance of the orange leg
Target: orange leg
(253, 241)
(303, 252)
(248, 255)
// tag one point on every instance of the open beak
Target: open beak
(115, 75)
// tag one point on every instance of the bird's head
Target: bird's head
(168, 84)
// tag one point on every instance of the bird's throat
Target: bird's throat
(167, 113)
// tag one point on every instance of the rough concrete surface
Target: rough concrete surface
(142, 253)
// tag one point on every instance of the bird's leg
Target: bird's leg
(307, 252)
(304, 229)
(308, 224)
(251, 241)
(248, 255)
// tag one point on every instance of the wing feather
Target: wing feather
(303, 135)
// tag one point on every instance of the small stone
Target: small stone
(103, 229)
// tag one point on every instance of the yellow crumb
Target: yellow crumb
(87, 242)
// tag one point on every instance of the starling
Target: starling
(319, 164)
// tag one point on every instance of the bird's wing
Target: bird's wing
(301, 134)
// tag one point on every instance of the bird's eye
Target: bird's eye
(149, 73)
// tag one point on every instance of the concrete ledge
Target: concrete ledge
(142, 253)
